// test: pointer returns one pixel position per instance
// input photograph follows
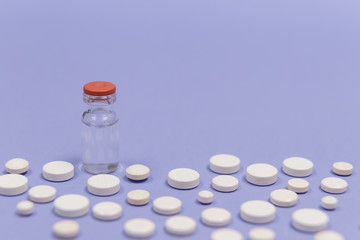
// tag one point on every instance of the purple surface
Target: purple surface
(261, 80)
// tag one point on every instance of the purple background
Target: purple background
(263, 80)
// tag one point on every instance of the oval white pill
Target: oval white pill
(17, 165)
(328, 235)
(309, 220)
(66, 229)
(167, 205)
(42, 193)
(13, 184)
(257, 211)
(298, 185)
(261, 233)
(180, 225)
(225, 183)
(342, 168)
(226, 234)
(215, 217)
(138, 197)
(205, 197)
(139, 228)
(71, 205)
(329, 202)
(334, 185)
(261, 174)
(298, 167)
(25, 208)
(107, 211)
(103, 184)
(58, 171)
(137, 172)
(183, 178)
(283, 198)
(224, 164)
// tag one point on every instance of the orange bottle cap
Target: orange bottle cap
(99, 88)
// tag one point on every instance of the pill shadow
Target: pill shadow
(61, 217)
(198, 186)
(119, 192)
(279, 181)
(126, 179)
(240, 170)
(28, 172)
(336, 194)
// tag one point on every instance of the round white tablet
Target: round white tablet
(66, 229)
(298, 167)
(167, 205)
(58, 171)
(71, 205)
(42, 193)
(205, 197)
(107, 211)
(342, 168)
(328, 235)
(283, 198)
(17, 165)
(139, 228)
(226, 234)
(215, 217)
(138, 197)
(13, 184)
(225, 183)
(257, 211)
(334, 185)
(224, 164)
(183, 178)
(261, 233)
(25, 208)
(298, 185)
(137, 172)
(309, 220)
(180, 225)
(103, 184)
(329, 202)
(261, 174)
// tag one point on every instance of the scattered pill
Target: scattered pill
(107, 211)
(180, 225)
(167, 205)
(71, 205)
(329, 202)
(215, 217)
(257, 211)
(226, 234)
(25, 208)
(66, 229)
(139, 228)
(137, 172)
(205, 197)
(138, 197)
(58, 171)
(310, 220)
(298, 185)
(283, 198)
(103, 184)
(17, 165)
(261, 233)
(224, 164)
(13, 184)
(328, 235)
(225, 183)
(261, 174)
(183, 178)
(334, 185)
(42, 193)
(342, 168)
(298, 167)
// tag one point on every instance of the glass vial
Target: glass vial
(100, 133)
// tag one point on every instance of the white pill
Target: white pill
(334, 185)
(224, 164)
(139, 228)
(205, 197)
(225, 183)
(42, 193)
(58, 171)
(138, 197)
(329, 202)
(167, 205)
(226, 234)
(342, 168)
(13, 184)
(261, 174)
(215, 217)
(25, 208)
(298, 167)
(257, 211)
(137, 172)
(103, 184)
(66, 229)
(17, 165)
(71, 205)
(283, 198)
(328, 235)
(107, 211)
(298, 185)
(261, 233)
(180, 225)
(309, 220)
(183, 178)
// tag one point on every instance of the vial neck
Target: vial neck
(99, 101)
